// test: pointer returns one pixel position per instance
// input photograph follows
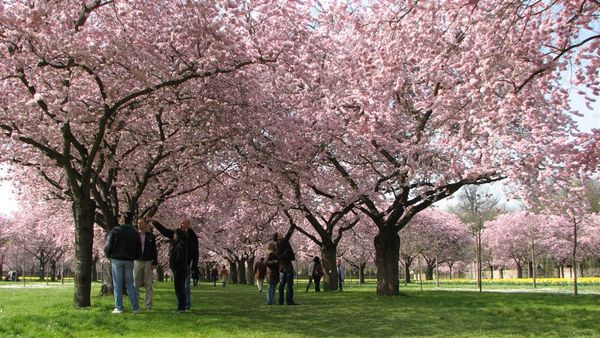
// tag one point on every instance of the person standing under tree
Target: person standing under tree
(272, 272)
(178, 264)
(123, 246)
(341, 270)
(148, 260)
(315, 272)
(214, 275)
(224, 275)
(260, 271)
(285, 254)
(191, 247)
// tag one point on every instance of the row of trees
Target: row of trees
(511, 240)
(319, 115)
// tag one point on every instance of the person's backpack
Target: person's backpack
(318, 272)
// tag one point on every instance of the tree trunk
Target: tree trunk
(387, 256)
(241, 271)
(574, 271)
(160, 273)
(53, 271)
(501, 272)
(233, 272)
(83, 212)
(406, 265)
(250, 271)
(42, 269)
(491, 272)
(429, 270)
(328, 257)
(581, 271)
(530, 269)
(519, 270)
(361, 273)
(95, 268)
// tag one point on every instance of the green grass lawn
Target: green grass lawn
(239, 310)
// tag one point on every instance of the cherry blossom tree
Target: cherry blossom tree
(74, 68)
(357, 248)
(443, 237)
(523, 237)
(420, 99)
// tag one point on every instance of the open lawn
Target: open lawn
(239, 310)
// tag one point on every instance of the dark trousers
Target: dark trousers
(179, 278)
(340, 283)
(310, 279)
(317, 281)
(286, 282)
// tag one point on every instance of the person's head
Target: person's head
(272, 247)
(262, 259)
(339, 261)
(316, 259)
(185, 224)
(126, 218)
(142, 224)
(180, 234)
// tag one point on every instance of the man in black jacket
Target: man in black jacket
(286, 255)
(143, 266)
(123, 246)
(191, 252)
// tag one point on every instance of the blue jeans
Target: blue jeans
(271, 293)
(286, 281)
(123, 270)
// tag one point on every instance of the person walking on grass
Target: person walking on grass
(148, 260)
(285, 255)
(214, 275)
(224, 275)
(260, 270)
(191, 247)
(272, 275)
(315, 272)
(178, 264)
(123, 246)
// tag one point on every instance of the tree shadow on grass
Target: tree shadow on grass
(240, 311)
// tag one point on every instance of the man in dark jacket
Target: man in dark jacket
(143, 266)
(191, 252)
(123, 246)
(286, 255)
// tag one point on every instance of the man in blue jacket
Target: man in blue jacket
(123, 246)
(143, 266)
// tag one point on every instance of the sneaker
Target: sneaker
(117, 311)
